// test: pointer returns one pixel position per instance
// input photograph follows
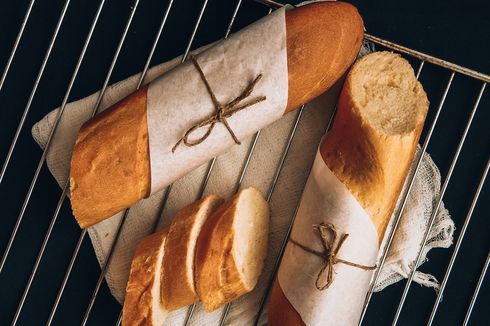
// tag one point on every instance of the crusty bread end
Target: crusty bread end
(232, 249)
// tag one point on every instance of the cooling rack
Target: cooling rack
(42, 277)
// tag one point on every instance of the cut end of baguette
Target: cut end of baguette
(178, 288)
(143, 305)
(232, 249)
(381, 113)
(386, 93)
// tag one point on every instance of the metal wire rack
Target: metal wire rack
(19, 304)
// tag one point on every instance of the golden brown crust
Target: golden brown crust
(220, 274)
(110, 163)
(373, 165)
(139, 300)
(110, 167)
(177, 288)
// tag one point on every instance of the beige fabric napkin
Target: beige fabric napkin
(223, 180)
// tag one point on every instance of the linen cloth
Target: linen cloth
(223, 180)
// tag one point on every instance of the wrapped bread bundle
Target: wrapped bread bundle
(209, 103)
(350, 195)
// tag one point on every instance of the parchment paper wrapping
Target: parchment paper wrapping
(326, 199)
(229, 66)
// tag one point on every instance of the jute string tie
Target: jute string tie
(223, 110)
(328, 237)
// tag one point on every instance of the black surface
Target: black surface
(453, 30)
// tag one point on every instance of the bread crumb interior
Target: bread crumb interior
(387, 93)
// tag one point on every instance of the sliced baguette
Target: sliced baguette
(142, 305)
(232, 248)
(177, 287)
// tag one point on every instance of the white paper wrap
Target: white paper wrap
(326, 199)
(179, 99)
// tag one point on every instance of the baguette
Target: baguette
(110, 167)
(177, 285)
(142, 305)
(381, 112)
(232, 248)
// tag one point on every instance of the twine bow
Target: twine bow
(223, 111)
(328, 237)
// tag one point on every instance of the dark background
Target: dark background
(453, 30)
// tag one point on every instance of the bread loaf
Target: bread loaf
(232, 248)
(110, 167)
(177, 285)
(142, 305)
(370, 147)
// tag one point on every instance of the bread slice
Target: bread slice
(142, 305)
(381, 113)
(232, 248)
(110, 166)
(323, 40)
(177, 287)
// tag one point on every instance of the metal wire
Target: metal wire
(270, 3)
(436, 208)
(16, 44)
(31, 97)
(16, 136)
(155, 43)
(442, 287)
(126, 212)
(119, 318)
(477, 290)
(425, 57)
(65, 279)
(60, 202)
(96, 107)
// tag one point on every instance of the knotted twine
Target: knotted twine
(329, 255)
(223, 111)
